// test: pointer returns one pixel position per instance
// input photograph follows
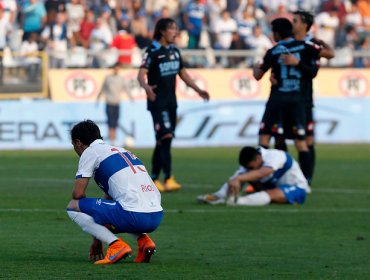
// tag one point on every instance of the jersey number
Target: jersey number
(128, 161)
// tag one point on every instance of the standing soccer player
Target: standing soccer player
(161, 64)
(302, 22)
(286, 101)
(132, 203)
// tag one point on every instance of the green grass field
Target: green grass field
(326, 238)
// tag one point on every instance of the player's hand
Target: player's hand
(96, 250)
(150, 92)
(234, 187)
(273, 79)
(289, 59)
(204, 94)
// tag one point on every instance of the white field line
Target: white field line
(364, 190)
(219, 209)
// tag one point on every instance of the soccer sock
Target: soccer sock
(305, 162)
(156, 162)
(166, 157)
(88, 225)
(254, 199)
(222, 192)
(313, 159)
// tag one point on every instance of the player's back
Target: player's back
(122, 175)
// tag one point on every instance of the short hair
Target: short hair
(86, 131)
(306, 17)
(162, 25)
(283, 27)
(247, 155)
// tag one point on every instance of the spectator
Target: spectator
(56, 37)
(364, 9)
(101, 37)
(86, 28)
(363, 45)
(327, 24)
(53, 7)
(10, 10)
(225, 27)
(139, 30)
(246, 24)
(5, 27)
(34, 18)
(260, 43)
(29, 56)
(193, 17)
(75, 14)
(124, 41)
(215, 8)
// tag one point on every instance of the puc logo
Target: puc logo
(79, 85)
(354, 84)
(244, 85)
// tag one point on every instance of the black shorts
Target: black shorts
(113, 115)
(284, 118)
(164, 121)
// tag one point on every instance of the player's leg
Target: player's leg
(310, 139)
(112, 112)
(169, 119)
(156, 156)
(219, 197)
(268, 122)
(299, 131)
(84, 213)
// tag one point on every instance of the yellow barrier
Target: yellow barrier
(222, 84)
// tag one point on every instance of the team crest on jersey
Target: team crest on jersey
(172, 56)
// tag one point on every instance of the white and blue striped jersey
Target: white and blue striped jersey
(121, 175)
(286, 169)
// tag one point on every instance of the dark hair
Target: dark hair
(306, 17)
(86, 131)
(283, 27)
(162, 25)
(247, 155)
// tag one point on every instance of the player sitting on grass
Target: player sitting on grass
(132, 203)
(274, 173)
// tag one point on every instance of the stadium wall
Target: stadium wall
(230, 118)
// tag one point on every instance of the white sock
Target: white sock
(88, 225)
(254, 199)
(222, 192)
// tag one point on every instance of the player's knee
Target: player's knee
(73, 205)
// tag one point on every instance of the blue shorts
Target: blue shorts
(113, 115)
(293, 194)
(109, 212)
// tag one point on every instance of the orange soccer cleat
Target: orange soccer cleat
(145, 249)
(171, 185)
(117, 251)
(159, 185)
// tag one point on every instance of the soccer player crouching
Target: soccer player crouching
(132, 203)
(275, 175)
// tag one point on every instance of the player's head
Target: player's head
(83, 134)
(165, 30)
(302, 20)
(250, 158)
(282, 28)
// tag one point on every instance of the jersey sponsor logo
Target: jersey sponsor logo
(147, 188)
(169, 68)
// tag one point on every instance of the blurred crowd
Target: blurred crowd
(95, 33)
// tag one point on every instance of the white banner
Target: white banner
(47, 124)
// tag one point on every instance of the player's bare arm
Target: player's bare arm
(258, 72)
(189, 82)
(326, 51)
(79, 190)
(149, 89)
